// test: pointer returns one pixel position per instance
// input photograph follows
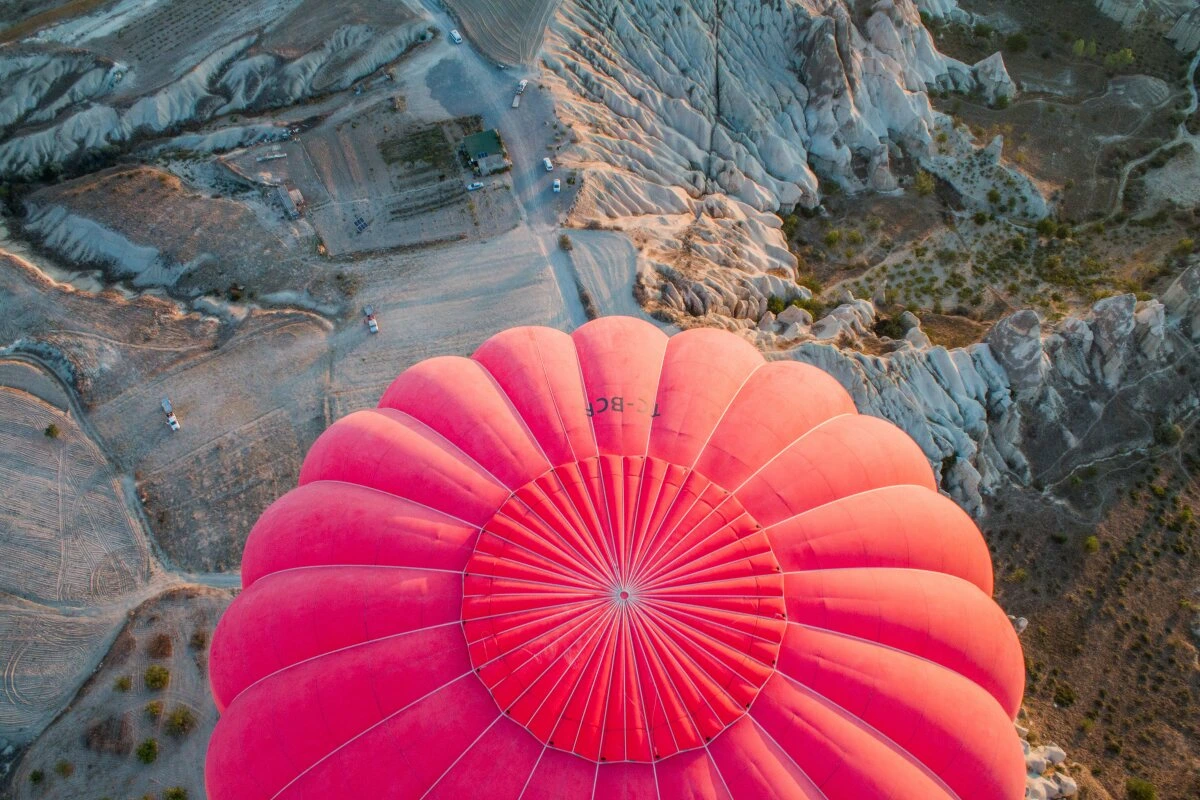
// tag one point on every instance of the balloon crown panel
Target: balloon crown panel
(614, 562)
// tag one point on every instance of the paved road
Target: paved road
(465, 82)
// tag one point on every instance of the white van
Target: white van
(549, 164)
(455, 36)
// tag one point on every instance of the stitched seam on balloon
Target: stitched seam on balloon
(586, 558)
(734, 492)
(881, 645)
(418, 503)
(599, 584)
(879, 735)
(684, 654)
(724, 412)
(803, 773)
(585, 631)
(717, 767)
(532, 771)
(651, 555)
(562, 573)
(362, 733)
(591, 691)
(513, 408)
(564, 606)
(461, 755)
(438, 570)
(634, 641)
(666, 570)
(376, 640)
(702, 635)
(482, 469)
(641, 540)
(652, 653)
(620, 613)
(677, 567)
(660, 602)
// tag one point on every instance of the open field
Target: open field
(66, 534)
(100, 734)
(402, 179)
(507, 31)
(186, 240)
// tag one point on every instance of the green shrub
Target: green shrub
(147, 751)
(123, 683)
(199, 639)
(993, 196)
(154, 709)
(564, 243)
(157, 677)
(1168, 434)
(833, 237)
(64, 768)
(51, 431)
(1091, 544)
(181, 721)
(1064, 696)
(1138, 789)
(924, 183)
(776, 304)
(1016, 43)
(36, 777)
(175, 793)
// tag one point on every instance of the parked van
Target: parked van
(548, 164)
(455, 36)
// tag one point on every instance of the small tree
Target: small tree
(924, 183)
(157, 677)
(1079, 48)
(147, 751)
(181, 721)
(1138, 789)
(175, 793)
(564, 243)
(1091, 544)
(36, 777)
(154, 709)
(65, 768)
(51, 431)
(123, 683)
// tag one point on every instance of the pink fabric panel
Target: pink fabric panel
(404, 755)
(781, 401)
(756, 768)
(329, 522)
(459, 399)
(844, 757)
(561, 775)
(690, 776)
(703, 372)
(621, 358)
(894, 526)
(288, 617)
(625, 782)
(946, 721)
(538, 369)
(844, 456)
(496, 767)
(283, 724)
(931, 615)
(389, 450)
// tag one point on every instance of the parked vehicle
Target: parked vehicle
(557, 186)
(455, 36)
(516, 100)
(473, 186)
(372, 325)
(548, 164)
(172, 420)
(521, 86)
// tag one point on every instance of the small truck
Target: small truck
(372, 325)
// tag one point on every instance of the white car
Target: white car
(548, 164)
(455, 36)
(369, 313)
(557, 186)
(173, 422)
(521, 87)
(473, 186)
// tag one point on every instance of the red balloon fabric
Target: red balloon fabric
(614, 564)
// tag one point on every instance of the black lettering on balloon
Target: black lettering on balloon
(618, 404)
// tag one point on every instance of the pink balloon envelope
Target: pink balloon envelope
(615, 564)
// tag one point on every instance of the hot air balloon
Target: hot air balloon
(615, 564)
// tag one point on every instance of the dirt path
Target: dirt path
(1182, 135)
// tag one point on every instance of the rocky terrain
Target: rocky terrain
(817, 175)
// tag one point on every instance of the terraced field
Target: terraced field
(508, 31)
(65, 533)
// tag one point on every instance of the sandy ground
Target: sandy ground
(507, 31)
(100, 732)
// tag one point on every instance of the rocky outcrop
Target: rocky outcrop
(692, 122)
(1033, 400)
(992, 79)
(55, 104)
(1185, 33)
(1045, 775)
(1126, 12)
